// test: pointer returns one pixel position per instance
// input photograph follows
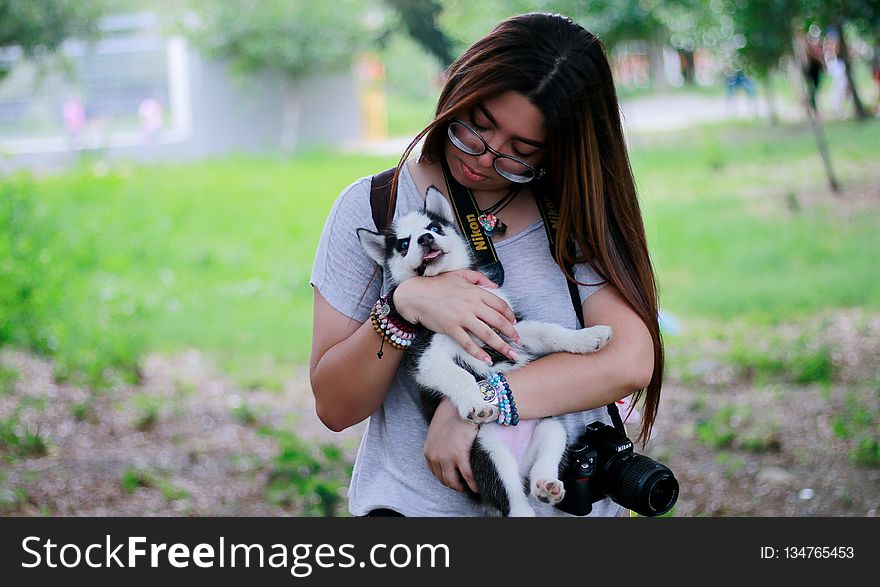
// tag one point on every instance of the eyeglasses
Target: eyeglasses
(471, 142)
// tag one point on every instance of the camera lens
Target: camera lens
(662, 494)
(641, 484)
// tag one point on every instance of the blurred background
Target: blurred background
(166, 169)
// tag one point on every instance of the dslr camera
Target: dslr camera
(602, 464)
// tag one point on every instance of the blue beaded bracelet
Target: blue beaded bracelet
(507, 413)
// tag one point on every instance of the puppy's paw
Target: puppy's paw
(595, 337)
(548, 491)
(479, 412)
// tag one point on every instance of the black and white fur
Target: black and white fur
(428, 243)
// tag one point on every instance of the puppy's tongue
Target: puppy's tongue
(432, 255)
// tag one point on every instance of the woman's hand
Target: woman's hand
(453, 304)
(448, 447)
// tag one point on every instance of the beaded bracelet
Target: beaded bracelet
(507, 413)
(393, 329)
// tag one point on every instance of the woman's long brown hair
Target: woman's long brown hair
(563, 69)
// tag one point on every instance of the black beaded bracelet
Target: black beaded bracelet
(389, 299)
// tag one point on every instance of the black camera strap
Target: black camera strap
(486, 258)
(550, 215)
(467, 212)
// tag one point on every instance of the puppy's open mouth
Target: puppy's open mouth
(429, 258)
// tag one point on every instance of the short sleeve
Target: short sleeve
(347, 278)
(585, 273)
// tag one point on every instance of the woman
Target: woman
(537, 92)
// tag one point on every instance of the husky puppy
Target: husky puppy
(507, 461)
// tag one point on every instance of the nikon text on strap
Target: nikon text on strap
(467, 212)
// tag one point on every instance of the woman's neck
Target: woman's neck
(487, 198)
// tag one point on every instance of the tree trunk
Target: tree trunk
(823, 149)
(861, 113)
(769, 96)
(687, 66)
(797, 72)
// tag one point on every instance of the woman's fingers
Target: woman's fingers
(468, 475)
(453, 306)
(451, 475)
(446, 473)
(482, 331)
(499, 322)
(499, 306)
(451, 479)
(461, 336)
(448, 447)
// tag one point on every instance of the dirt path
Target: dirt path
(188, 441)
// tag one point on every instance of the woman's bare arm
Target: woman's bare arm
(348, 380)
(562, 382)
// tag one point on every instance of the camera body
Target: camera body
(602, 463)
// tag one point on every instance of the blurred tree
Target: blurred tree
(295, 38)
(40, 27)
(765, 27)
(693, 25)
(684, 24)
(420, 20)
(864, 15)
(620, 21)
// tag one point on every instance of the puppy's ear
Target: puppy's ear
(373, 243)
(436, 203)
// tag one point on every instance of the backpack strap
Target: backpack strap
(380, 197)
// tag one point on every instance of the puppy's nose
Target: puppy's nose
(426, 239)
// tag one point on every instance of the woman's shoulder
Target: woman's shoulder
(352, 203)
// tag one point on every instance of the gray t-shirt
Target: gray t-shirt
(390, 469)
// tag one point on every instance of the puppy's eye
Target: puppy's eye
(435, 228)
(402, 245)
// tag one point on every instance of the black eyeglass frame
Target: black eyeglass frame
(536, 173)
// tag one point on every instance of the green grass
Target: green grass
(858, 423)
(19, 440)
(7, 380)
(216, 255)
(98, 265)
(239, 250)
(307, 477)
(725, 239)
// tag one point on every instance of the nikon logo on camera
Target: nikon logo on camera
(623, 447)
